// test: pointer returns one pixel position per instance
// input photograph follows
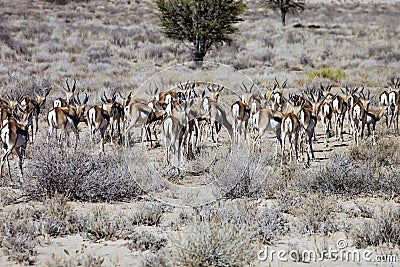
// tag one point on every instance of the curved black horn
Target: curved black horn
(69, 89)
(284, 83)
(245, 88)
(276, 81)
(73, 87)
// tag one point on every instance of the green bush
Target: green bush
(327, 73)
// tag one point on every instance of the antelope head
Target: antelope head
(326, 91)
(80, 107)
(70, 92)
(125, 100)
(365, 99)
(247, 96)
(41, 99)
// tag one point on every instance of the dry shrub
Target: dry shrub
(242, 173)
(80, 174)
(101, 224)
(315, 213)
(147, 213)
(222, 234)
(383, 229)
(385, 153)
(288, 200)
(143, 240)
(270, 225)
(18, 234)
(154, 259)
(214, 243)
(343, 176)
(77, 258)
(56, 217)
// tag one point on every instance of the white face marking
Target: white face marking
(57, 103)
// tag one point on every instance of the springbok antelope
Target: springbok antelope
(32, 106)
(175, 131)
(138, 113)
(340, 108)
(307, 123)
(116, 113)
(351, 96)
(297, 100)
(97, 119)
(216, 115)
(384, 101)
(247, 95)
(253, 101)
(394, 102)
(14, 136)
(371, 118)
(5, 113)
(167, 97)
(267, 120)
(276, 96)
(61, 102)
(215, 91)
(358, 119)
(290, 127)
(67, 119)
(325, 114)
(129, 99)
(241, 113)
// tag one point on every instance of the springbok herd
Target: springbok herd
(192, 112)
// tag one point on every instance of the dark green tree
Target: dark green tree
(200, 24)
(285, 7)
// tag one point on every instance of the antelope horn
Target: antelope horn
(86, 99)
(251, 88)
(284, 84)
(245, 88)
(69, 89)
(77, 99)
(73, 87)
(276, 81)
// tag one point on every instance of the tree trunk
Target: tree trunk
(198, 57)
(283, 18)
